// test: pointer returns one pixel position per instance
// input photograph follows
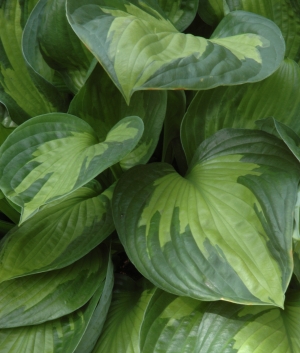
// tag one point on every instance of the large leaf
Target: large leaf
(42, 297)
(285, 13)
(141, 49)
(144, 319)
(61, 233)
(21, 91)
(52, 155)
(102, 106)
(224, 231)
(49, 36)
(241, 106)
(247, 329)
(57, 336)
(180, 12)
(292, 140)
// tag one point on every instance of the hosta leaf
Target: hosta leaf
(241, 106)
(211, 11)
(67, 230)
(22, 91)
(6, 124)
(144, 319)
(57, 336)
(121, 330)
(175, 112)
(52, 155)
(42, 297)
(224, 231)
(102, 106)
(180, 12)
(141, 49)
(171, 324)
(5, 227)
(232, 328)
(49, 35)
(285, 13)
(8, 210)
(97, 321)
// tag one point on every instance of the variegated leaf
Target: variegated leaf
(38, 298)
(52, 155)
(67, 229)
(224, 231)
(140, 49)
(22, 90)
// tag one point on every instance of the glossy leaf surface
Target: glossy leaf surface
(141, 49)
(52, 155)
(220, 231)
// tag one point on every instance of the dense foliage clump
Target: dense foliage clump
(149, 172)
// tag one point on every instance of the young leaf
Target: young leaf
(224, 231)
(241, 106)
(61, 233)
(34, 299)
(22, 92)
(52, 155)
(90, 104)
(141, 49)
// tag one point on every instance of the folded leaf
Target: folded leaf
(49, 36)
(34, 299)
(59, 234)
(21, 90)
(141, 49)
(224, 231)
(52, 155)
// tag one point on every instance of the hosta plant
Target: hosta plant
(149, 176)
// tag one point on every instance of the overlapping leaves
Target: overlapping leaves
(219, 232)
(166, 323)
(52, 155)
(58, 235)
(141, 49)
